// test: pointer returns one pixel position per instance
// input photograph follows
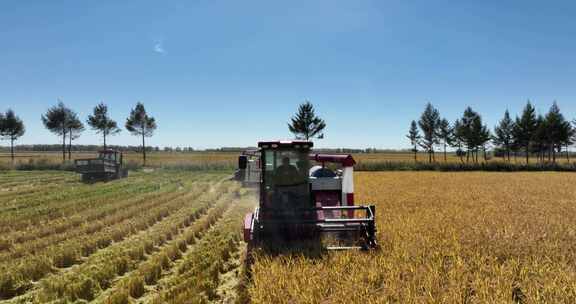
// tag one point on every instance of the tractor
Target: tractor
(109, 165)
(300, 202)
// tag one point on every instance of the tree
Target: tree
(503, 134)
(11, 128)
(483, 139)
(445, 133)
(305, 124)
(458, 138)
(429, 123)
(525, 129)
(555, 132)
(140, 124)
(102, 123)
(472, 133)
(468, 131)
(414, 137)
(56, 121)
(540, 139)
(75, 128)
(568, 136)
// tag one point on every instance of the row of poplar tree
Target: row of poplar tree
(65, 122)
(530, 134)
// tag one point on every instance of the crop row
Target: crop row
(149, 272)
(24, 212)
(23, 177)
(197, 278)
(40, 210)
(97, 273)
(17, 275)
(105, 208)
(90, 228)
(33, 185)
(101, 207)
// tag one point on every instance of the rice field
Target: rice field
(445, 238)
(151, 238)
(203, 160)
(174, 237)
(218, 160)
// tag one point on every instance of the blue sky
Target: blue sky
(228, 73)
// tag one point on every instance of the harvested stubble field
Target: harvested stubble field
(174, 237)
(151, 238)
(197, 160)
(445, 238)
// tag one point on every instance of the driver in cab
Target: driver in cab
(286, 174)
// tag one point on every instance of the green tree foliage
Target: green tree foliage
(484, 139)
(429, 123)
(568, 137)
(414, 137)
(503, 134)
(305, 124)
(458, 139)
(56, 121)
(525, 129)
(140, 124)
(445, 133)
(472, 133)
(555, 133)
(11, 128)
(75, 129)
(102, 123)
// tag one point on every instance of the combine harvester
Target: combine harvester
(299, 201)
(109, 165)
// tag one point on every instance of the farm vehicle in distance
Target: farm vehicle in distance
(109, 165)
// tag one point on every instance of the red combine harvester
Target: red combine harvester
(299, 201)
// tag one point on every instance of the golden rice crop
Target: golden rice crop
(445, 238)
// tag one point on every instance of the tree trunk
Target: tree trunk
(445, 158)
(70, 146)
(567, 153)
(12, 149)
(144, 149)
(415, 152)
(527, 154)
(63, 147)
(104, 134)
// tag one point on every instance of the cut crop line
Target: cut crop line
(101, 268)
(160, 263)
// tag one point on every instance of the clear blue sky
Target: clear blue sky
(228, 73)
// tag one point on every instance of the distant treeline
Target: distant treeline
(93, 148)
(544, 136)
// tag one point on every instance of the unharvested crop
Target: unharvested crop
(445, 238)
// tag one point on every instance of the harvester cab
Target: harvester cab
(299, 201)
(108, 165)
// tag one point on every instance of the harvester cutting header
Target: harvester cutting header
(299, 200)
